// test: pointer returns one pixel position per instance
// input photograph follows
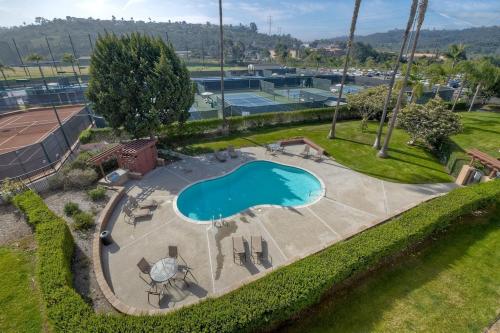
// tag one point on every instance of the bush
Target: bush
(79, 178)
(259, 304)
(203, 127)
(71, 208)
(83, 221)
(85, 136)
(99, 193)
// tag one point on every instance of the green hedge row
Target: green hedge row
(240, 123)
(269, 300)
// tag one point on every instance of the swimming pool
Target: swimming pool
(252, 184)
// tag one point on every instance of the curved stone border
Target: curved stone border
(188, 219)
(108, 210)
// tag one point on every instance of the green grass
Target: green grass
(481, 131)
(407, 164)
(19, 306)
(353, 148)
(451, 286)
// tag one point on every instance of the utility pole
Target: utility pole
(26, 70)
(270, 22)
(166, 35)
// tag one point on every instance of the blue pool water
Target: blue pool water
(254, 183)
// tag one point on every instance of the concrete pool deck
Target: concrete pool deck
(352, 203)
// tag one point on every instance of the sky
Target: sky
(305, 19)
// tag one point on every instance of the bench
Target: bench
(488, 161)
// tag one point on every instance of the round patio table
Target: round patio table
(163, 270)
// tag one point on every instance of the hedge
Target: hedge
(240, 123)
(257, 305)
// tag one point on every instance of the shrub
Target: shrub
(79, 178)
(431, 123)
(10, 188)
(239, 123)
(259, 304)
(71, 208)
(96, 194)
(83, 220)
(85, 136)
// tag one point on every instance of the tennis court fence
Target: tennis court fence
(44, 155)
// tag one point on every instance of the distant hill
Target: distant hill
(479, 41)
(184, 36)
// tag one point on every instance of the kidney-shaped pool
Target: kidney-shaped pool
(252, 184)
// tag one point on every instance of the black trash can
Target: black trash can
(106, 237)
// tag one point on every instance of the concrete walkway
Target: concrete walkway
(353, 202)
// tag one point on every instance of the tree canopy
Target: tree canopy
(138, 83)
(431, 123)
(370, 102)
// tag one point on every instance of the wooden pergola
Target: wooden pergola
(106, 155)
(488, 161)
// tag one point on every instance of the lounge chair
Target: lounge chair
(132, 214)
(149, 203)
(220, 156)
(173, 251)
(239, 249)
(232, 152)
(256, 248)
(318, 156)
(306, 152)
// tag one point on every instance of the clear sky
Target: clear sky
(305, 19)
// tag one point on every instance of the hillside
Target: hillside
(184, 36)
(484, 40)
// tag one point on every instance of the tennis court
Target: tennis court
(21, 129)
(248, 99)
(295, 92)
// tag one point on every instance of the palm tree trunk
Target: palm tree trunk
(422, 7)
(411, 18)
(459, 94)
(478, 88)
(354, 19)
(221, 41)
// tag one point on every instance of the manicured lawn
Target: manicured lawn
(481, 131)
(19, 306)
(451, 286)
(352, 148)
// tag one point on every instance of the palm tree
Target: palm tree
(411, 18)
(484, 75)
(465, 67)
(221, 42)
(422, 7)
(4, 68)
(456, 53)
(68, 58)
(354, 19)
(36, 58)
(438, 75)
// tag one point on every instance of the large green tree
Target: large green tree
(138, 83)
